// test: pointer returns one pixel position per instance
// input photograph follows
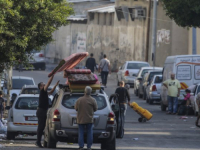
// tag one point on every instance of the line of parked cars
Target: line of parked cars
(147, 81)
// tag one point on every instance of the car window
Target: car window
(30, 91)
(152, 74)
(27, 103)
(144, 72)
(136, 65)
(19, 83)
(158, 79)
(70, 101)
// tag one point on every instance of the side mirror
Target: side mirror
(7, 107)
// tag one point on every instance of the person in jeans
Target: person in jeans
(173, 86)
(85, 107)
(104, 68)
(2, 105)
(42, 108)
(123, 95)
(91, 63)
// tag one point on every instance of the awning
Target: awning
(107, 9)
(77, 18)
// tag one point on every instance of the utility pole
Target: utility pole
(154, 32)
(194, 41)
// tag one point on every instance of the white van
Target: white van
(187, 70)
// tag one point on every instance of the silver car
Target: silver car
(129, 71)
(61, 124)
(153, 89)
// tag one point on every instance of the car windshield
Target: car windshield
(158, 79)
(19, 83)
(136, 65)
(70, 101)
(28, 103)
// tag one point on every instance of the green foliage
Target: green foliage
(184, 12)
(28, 24)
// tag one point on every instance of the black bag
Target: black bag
(189, 111)
(182, 110)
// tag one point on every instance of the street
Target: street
(162, 132)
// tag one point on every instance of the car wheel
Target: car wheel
(10, 135)
(51, 143)
(163, 107)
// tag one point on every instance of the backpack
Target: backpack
(182, 110)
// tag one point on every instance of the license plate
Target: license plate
(32, 118)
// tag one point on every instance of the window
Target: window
(105, 18)
(132, 13)
(136, 65)
(197, 72)
(119, 12)
(158, 79)
(152, 74)
(27, 103)
(70, 101)
(91, 16)
(183, 72)
(19, 83)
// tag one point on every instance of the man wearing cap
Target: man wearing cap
(85, 107)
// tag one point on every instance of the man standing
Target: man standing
(91, 63)
(123, 95)
(2, 105)
(42, 108)
(85, 107)
(104, 68)
(173, 86)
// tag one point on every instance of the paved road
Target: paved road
(162, 132)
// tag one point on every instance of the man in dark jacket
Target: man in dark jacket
(91, 63)
(123, 95)
(42, 108)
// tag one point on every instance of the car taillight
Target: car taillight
(56, 116)
(126, 73)
(41, 55)
(154, 88)
(111, 118)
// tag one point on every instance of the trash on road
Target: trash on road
(183, 117)
(135, 139)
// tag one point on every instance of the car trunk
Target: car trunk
(69, 114)
(133, 72)
(25, 111)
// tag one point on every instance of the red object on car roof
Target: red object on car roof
(69, 62)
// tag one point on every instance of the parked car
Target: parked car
(61, 124)
(37, 59)
(153, 89)
(186, 68)
(146, 81)
(17, 83)
(195, 89)
(33, 89)
(139, 77)
(22, 116)
(129, 70)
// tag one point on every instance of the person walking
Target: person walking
(2, 105)
(104, 69)
(42, 108)
(91, 63)
(173, 86)
(123, 95)
(85, 107)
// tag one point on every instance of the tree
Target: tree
(28, 24)
(184, 12)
